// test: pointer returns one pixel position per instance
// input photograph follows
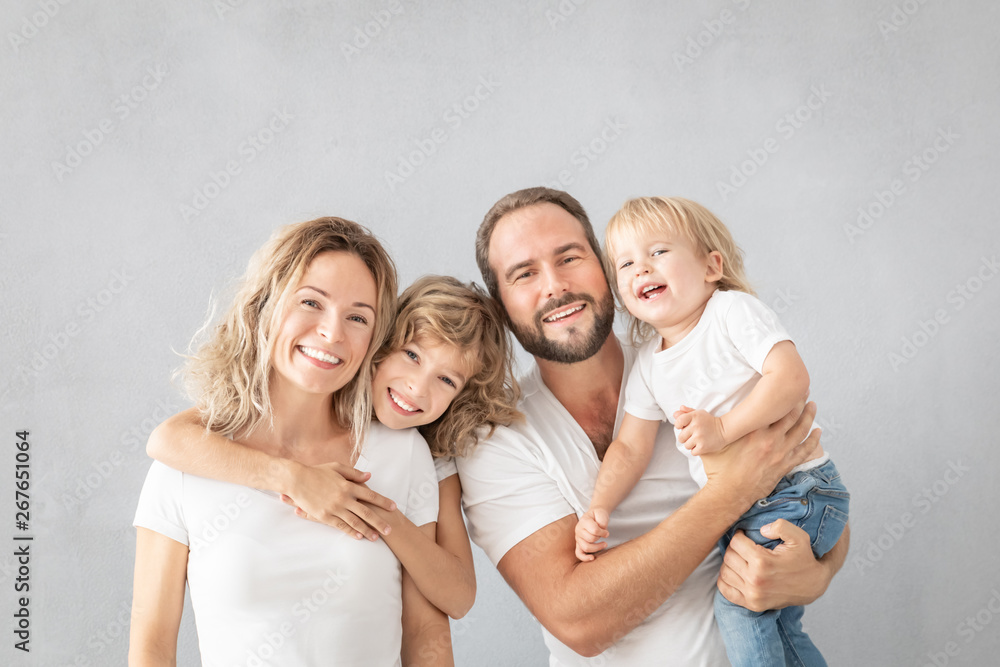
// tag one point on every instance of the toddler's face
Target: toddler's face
(664, 279)
(415, 384)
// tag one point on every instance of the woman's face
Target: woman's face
(414, 385)
(324, 332)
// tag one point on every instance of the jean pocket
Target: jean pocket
(831, 527)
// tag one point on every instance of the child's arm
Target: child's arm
(442, 570)
(330, 493)
(623, 465)
(426, 632)
(783, 383)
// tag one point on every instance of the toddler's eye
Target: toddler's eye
(625, 264)
(448, 381)
(411, 354)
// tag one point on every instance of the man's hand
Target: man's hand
(592, 527)
(759, 579)
(334, 494)
(749, 468)
(700, 431)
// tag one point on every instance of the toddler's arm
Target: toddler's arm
(623, 465)
(783, 383)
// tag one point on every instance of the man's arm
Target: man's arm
(331, 493)
(589, 606)
(758, 578)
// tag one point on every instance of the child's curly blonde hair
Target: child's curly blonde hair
(444, 310)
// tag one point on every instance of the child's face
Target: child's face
(414, 385)
(664, 279)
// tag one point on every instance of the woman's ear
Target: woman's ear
(713, 270)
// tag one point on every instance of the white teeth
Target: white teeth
(319, 354)
(565, 313)
(649, 288)
(401, 403)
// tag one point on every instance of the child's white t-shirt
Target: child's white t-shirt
(713, 368)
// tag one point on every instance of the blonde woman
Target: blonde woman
(287, 373)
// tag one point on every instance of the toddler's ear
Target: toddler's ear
(713, 271)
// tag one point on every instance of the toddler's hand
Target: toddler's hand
(591, 527)
(700, 431)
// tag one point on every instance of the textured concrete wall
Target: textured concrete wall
(150, 147)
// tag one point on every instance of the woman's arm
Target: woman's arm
(442, 570)
(331, 493)
(157, 599)
(426, 632)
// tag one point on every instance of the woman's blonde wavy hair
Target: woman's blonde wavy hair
(227, 376)
(444, 310)
(682, 217)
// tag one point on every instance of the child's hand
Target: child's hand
(700, 431)
(591, 527)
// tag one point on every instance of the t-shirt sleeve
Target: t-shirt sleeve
(639, 398)
(422, 500)
(753, 328)
(161, 503)
(445, 467)
(507, 494)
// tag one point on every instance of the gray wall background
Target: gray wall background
(151, 147)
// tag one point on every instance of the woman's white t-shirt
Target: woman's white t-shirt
(269, 588)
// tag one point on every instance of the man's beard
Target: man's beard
(532, 337)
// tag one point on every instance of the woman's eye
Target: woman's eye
(359, 318)
(310, 303)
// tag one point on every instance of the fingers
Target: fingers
(601, 517)
(377, 500)
(682, 419)
(787, 532)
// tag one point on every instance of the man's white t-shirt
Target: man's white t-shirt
(531, 474)
(269, 588)
(713, 368)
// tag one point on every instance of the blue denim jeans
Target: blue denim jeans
(816, 501)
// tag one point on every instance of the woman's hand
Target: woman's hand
(334, 494)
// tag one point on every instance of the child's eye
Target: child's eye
(448, 381)
(411, 354)
(624, 265)
(660, 252)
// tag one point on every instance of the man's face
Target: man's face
(551, 284)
